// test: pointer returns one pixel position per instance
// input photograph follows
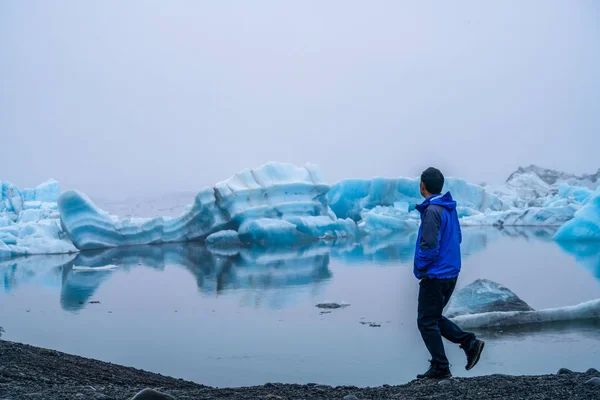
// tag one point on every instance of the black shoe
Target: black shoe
(474, 353)
(436, 372)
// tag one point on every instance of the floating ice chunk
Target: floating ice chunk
(586, 223)
(589, 310)
(483, 296)
(332, 305)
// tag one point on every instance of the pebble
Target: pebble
(592, 371)
(594, 382)
(273, 397)
(445, 382)
(564, 371)
(350, 397)
(151, 394)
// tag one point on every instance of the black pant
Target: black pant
(434, 294)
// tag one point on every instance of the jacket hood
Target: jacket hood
(444, 200)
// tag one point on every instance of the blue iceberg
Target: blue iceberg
(484, 296)
(487, 304)
(585, 223)
(281, 204)
(274, 204)
(587, 311)
(29, 221)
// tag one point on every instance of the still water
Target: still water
(249, 318)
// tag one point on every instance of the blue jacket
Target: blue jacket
(437, 253)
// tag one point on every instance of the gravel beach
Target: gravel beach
(28, 372)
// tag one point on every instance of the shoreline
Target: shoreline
(35, 373)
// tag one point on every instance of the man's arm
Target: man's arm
(429, 247)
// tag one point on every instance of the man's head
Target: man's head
(432, 182)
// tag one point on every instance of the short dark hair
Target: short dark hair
(433, 179)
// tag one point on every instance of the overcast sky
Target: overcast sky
(144, 97)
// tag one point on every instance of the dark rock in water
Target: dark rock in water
(564, 371)
(331, 306)
(593, 382)
(94, 302)
(592, 371)
(485, 296)
(375, 325)
(151, 394)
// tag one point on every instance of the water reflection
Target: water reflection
(586, 253)
(217, 271)
(214, 273)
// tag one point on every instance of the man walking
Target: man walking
(437, 265)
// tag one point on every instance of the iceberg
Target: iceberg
(483, 296)
(42, 237)
(585, 224)
(589, 310)
(282, 204)
(553, 177)
(531, 196)
(348, 198)
(29, 221)
(487, 304)
(276, 203)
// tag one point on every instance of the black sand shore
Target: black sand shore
(28, 372)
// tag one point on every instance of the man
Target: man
(437, 265)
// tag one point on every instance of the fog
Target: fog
(146, 97)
